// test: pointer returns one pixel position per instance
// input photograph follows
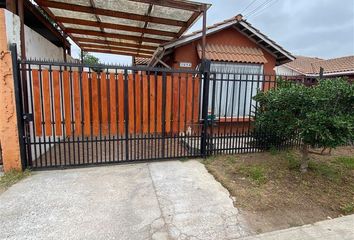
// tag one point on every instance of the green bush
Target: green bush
(321, 115)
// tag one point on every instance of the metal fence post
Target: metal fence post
(205, 69)
(126, 114)
(19, 105)
(163, 114)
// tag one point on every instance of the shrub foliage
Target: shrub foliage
(321, 115)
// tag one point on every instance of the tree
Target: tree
(321, 115)
(91, 60)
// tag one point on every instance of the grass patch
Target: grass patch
(348, 208)
(346, 162)
(292, 161)
(12, 177)
(273, 194)
(256, 173)
(327, 170)
(230, 159)
(274, 151)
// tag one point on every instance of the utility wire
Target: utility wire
(249, 5)
(260, 6)
(254, 10)
(260, 11)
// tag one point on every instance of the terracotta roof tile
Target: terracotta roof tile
(343, 64)
(229, 53)
(310, 65)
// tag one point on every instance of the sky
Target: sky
(316, 28)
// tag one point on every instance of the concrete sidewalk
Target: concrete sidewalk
(161, 200)
(335, 229)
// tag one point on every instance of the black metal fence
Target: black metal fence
(77, 114)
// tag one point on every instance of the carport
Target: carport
(74, 114)
(135, 27)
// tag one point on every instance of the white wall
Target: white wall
(36, 45)
(282, 70)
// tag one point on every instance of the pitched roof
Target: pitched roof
(282, 56)
(229, 53)
(311, 66)
(335, 65)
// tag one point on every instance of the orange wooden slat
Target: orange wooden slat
(189, 99)
(168, 103)
(95, 103)
(77, 102)
(121, 103)
(175, 104)
(159, 104)
(57, 105)
(145, 104)
(86, 103)
(113, 104)
(104, 104)
(182, 97)
(46, 102)
(196, 99)
(138, 113)
(131, 106)
(152, 97)
(67, 102)
(37, 103)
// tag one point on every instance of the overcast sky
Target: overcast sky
(318, 28)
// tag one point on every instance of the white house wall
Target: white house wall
(284, 71)
(36, 45)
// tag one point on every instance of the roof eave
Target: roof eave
(269, 42)
(331, 74)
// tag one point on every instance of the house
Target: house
(233, 43)
(308, 68)
(233, 46)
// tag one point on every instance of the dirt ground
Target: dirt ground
(272, 194)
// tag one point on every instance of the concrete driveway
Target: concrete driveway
(162, 200)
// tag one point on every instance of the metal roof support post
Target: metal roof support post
(82, 56)
(204, 31)
(64, 54)
(21, 14)
(22, 28)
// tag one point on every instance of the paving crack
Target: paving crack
(164, 227)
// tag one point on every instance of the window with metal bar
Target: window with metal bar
(232, 87)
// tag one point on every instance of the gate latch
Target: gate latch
(28, 117)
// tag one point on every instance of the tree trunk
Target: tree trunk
(305, 158)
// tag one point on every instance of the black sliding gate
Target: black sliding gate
(76, 114)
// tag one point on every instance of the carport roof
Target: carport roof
(126, 27)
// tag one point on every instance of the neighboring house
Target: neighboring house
(308, 68)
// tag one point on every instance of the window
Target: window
(235, 85)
